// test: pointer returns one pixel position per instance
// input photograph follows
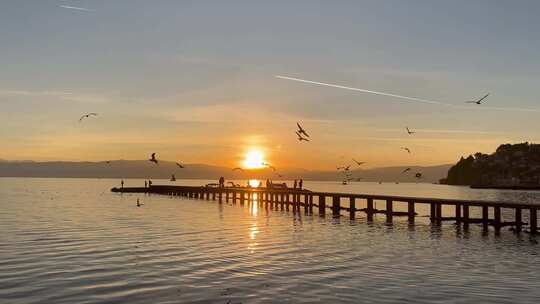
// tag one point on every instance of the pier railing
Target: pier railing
(295, 199)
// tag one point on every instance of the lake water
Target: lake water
(73, 241)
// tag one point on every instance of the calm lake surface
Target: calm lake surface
(73, 241)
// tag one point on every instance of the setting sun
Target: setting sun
(254, 159)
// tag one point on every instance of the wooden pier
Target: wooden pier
(308, 201)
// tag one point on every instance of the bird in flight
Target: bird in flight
(479, 101)
(344, 168)
(406, 149)
(406, 170)
(269, 166)
(180, 165)
(238, 169)
(301, 130)
(358, 163)
(409, 131)
(86, 116)
(153, 158)
(418, 175)
(279, 175)
(300, 138)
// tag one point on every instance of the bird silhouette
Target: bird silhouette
(406, 149)
(479, 101)
(153, 159)
(86, 116)
(406, 170)
(358, 163)
(409, 131)
(238, 169)
(301, 130)
(180, 166)
(300, 138)
(418, 175)
(269, 166)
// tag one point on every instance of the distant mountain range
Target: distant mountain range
(146, 169)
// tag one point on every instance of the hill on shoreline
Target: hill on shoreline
(146, 169)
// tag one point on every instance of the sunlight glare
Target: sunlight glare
(254, 159)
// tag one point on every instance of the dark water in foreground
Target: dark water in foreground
(72, 241)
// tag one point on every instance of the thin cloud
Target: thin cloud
(406, 98)
(63, 95)
(75, 8)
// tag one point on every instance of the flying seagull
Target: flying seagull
(301, 130)
(358, 163)
(409, 131)
(479, 101)
(406, 170)
(300, 138)
(406, 149)
(270, 166)
(238, 169)
(153, 158)
(86, 116)
(180, 166)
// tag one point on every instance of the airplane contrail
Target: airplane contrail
(413, 99)
(75, 8)
(410, 99)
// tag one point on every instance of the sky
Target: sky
(194, 81)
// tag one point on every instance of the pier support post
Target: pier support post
(214, 196)
(465, 216)
(310, 209)
(369, 210)
(322, 205)
(533, 221)
(439, 213)
(242, 198)
(352, 208)
(497, 216)
(389, 211)
(410, 212)
(485, 216)
(432, 212)
(335, 206)
(458, 213)
(518, 219)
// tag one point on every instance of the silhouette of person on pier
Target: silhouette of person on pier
(145, 184)
(295, 184)
(300, 183)
(221, 182)
(122, 184)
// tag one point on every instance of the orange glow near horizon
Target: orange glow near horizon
(254, 183)
(254, 159)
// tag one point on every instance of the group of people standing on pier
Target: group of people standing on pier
(298, 184)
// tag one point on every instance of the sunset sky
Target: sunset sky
(194, 81)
